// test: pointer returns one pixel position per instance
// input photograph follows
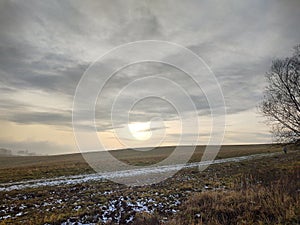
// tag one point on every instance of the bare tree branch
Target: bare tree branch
(281, 102)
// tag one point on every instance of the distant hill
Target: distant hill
(139, 157)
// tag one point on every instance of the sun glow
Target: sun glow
(140, 131)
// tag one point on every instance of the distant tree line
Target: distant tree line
(5, 152)
(8, 152)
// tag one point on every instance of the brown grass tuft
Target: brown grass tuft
(276, 203)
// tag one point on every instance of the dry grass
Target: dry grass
(256, 198)
(36, 167)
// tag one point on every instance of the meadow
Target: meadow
(17, 168)
(254, 191)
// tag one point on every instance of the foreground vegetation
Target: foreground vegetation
(258, 191)
(263, 197)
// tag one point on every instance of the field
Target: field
(18, 168)
(262, 190)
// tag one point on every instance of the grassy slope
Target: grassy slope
(35, 167)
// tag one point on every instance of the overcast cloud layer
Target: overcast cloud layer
(45, 47)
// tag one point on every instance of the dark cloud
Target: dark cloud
(58, 118)
(51, 73)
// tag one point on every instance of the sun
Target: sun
(140, 130)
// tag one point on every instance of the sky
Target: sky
(47, 46)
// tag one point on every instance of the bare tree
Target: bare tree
(281, 102)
